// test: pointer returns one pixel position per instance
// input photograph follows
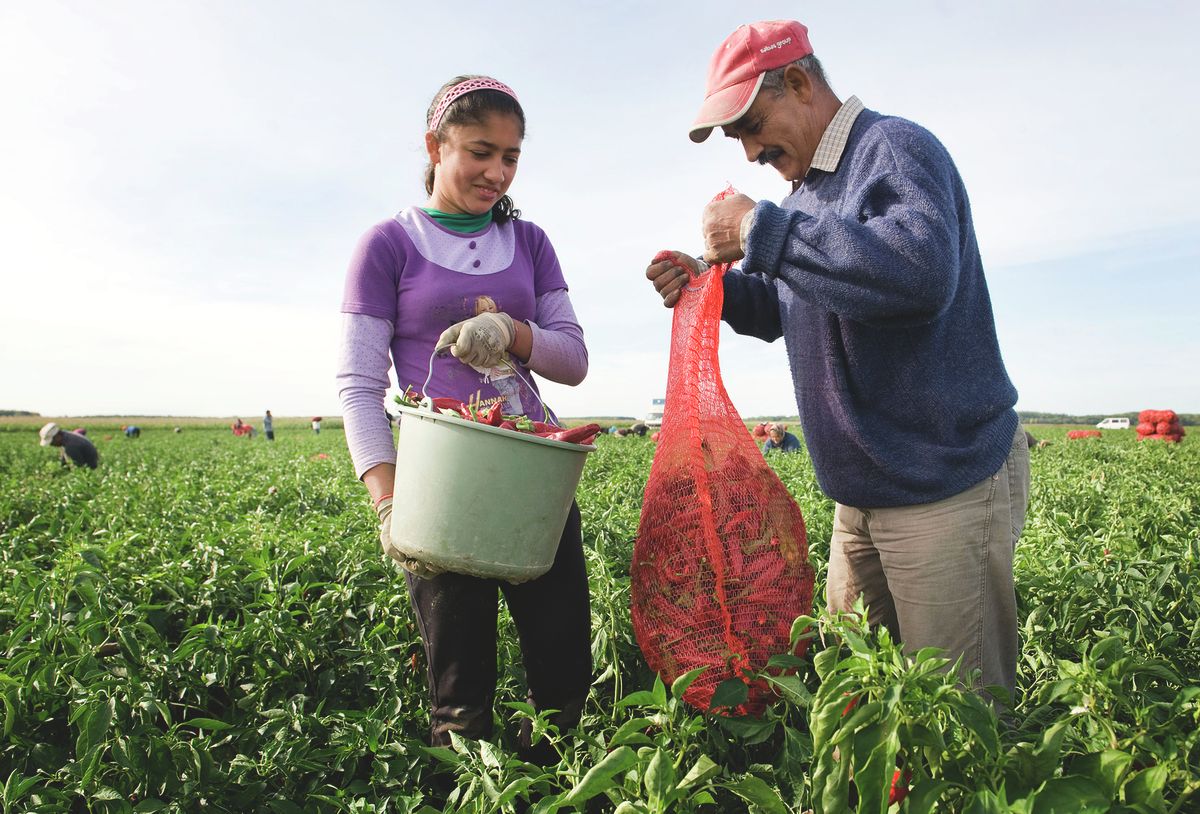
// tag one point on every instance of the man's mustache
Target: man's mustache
(767, 156)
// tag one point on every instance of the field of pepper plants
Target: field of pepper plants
(206, 623)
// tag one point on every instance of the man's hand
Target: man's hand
(416, 567)
(481, 340)
(670, 272)
(721, 226)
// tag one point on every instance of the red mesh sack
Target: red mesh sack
(1145, 428)
(720, 567)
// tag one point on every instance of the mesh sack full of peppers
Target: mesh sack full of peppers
(720, 566)
(1159, 425)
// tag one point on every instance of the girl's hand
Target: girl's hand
(481, 340)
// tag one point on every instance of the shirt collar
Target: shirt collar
(833, 140)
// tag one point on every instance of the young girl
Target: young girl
(463, 273)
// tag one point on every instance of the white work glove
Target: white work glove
(481, 340)
(415, 567)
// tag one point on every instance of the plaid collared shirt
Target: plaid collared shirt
(833, 140)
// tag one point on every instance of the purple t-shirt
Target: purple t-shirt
(424, 278)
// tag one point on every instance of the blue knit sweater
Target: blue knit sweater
(872, 276)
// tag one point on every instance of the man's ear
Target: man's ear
(797, 80)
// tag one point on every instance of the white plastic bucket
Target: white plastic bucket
(480, 500)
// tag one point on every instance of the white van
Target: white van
(1114, 424)
(654, 416)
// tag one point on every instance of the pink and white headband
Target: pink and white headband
(463, 88)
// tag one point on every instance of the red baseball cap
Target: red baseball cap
(736, 70)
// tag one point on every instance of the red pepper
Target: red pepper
(577, 435)
(899, 789)
(509, 425)
(448, 404)
(493, 415)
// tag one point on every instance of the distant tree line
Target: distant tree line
(1027, 417)
(1030, 417)
(17, 412)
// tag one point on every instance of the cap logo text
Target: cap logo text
(775, 45)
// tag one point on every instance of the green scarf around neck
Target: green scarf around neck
(463, 224)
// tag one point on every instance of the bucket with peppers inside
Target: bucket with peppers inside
(482, 493)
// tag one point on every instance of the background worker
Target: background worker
(269, 426)
(778, 438)
(74, 446)
(871, 273)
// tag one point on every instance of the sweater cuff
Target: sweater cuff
(767, 239)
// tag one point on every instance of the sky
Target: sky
(181, 184)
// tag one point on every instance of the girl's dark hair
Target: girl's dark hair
(473, 108)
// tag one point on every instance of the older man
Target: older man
(74, 446)
(871, 273)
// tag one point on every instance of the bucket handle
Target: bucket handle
(546, 411)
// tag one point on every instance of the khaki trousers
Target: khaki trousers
(941, 574)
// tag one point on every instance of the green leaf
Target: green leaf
(986, 801)
(1046, 755)
(792, 689)
(730, 693)
(825, 661)
(631, 732)
(1102, 647)
(207, 723)
(1107, 768)
(149, 805)
(16, 786)
(1069, 795)
(754, 790)
(10, 715)
(805, 627)
(659, 780)
(513, 789)
(659, 693)
(641, 698)
(443, 755)
(93, 727)
(600, 776)
(749, 730)
(922, 797)
(978, 717)
(786, 661)
(679, 686)
(1146, 787)
(489, 754)
(283, 807)
(874, 751)
(701, 770)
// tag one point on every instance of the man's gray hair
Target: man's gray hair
(773, 79)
